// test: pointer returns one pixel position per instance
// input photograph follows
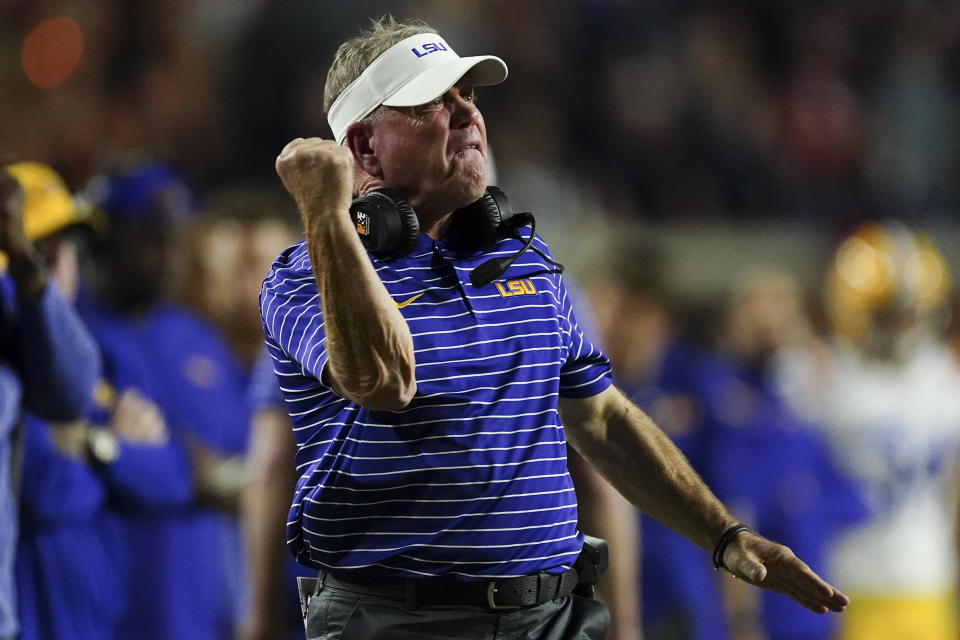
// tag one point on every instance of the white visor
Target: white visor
(412, 72)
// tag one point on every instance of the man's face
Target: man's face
(435, 154)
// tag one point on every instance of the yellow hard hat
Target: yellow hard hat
(884, 267)
(48, 205)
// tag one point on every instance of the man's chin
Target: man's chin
(465, 194)
(476, 191)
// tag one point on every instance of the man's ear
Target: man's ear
(358, 141)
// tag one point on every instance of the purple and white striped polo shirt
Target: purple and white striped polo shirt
(470, 480)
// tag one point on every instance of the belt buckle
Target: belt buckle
(493, 606)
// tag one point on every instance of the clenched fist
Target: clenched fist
(318, 174)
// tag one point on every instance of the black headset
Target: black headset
(389, 228)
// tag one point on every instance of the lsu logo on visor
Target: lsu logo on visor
(428, 48)
(516, 288)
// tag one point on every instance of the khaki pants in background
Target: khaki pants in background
(901, 618)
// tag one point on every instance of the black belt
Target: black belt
(505, 594)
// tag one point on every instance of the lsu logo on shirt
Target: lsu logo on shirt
(516, 288)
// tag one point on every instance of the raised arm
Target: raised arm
(51, 349)
(643, 464)
(369, 346)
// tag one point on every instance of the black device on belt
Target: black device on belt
(505, 594)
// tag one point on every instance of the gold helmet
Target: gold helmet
(885, 279)
(48, 206)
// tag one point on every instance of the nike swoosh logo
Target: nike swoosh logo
(401, 305)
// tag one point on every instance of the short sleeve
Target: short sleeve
(263, 392)
(292, 318)
(586, 371)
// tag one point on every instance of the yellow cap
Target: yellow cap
(48, 205)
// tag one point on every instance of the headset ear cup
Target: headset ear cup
(474, 227)
(387, 224)
(408, 231)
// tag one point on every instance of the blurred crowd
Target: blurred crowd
(823, 416)
(830, 111)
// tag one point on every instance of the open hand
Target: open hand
(766, 564)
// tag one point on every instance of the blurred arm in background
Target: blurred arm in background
(51, 349)
(605, 514)
(263, 511)
(265, 504)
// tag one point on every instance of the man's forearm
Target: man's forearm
(641, 462)
(370, 349)
(645, 467)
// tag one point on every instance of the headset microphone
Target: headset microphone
(496, 267)
(490, 271)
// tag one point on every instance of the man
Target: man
(433, 491)
(70, 568)
(885, 390)
(188, 585)
(767, 460)
(48, 364)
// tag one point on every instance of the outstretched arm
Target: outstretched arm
(370, 349)
(643, 464)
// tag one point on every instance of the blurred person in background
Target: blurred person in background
(70, 556)
(271, 611)
(770, 465)
(664, 373)
(243, 230)
(230, 248)
(604, 513)
(48, 365)
(185, 570)
(886, 396)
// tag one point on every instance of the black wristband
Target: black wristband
(725, 539)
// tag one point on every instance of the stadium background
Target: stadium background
(701, 139)
(728, 133)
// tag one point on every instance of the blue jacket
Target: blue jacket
(679, 589)
(185, 572)
(781, 469)
(71, 552)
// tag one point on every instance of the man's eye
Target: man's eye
(427, 106)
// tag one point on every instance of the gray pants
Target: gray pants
(335, 612)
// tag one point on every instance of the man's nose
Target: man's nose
(464, 114)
